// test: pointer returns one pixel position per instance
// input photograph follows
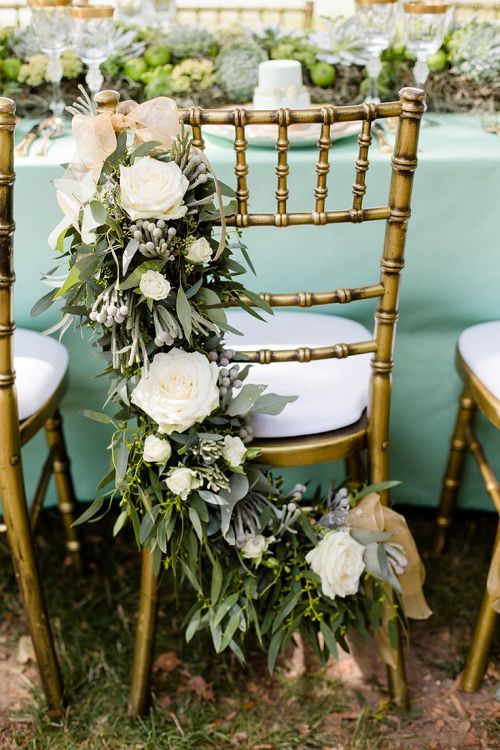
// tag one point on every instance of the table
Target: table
(451, 281)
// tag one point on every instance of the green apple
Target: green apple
(437, 61)
(323, 74)
(11, 67)
(135, 68)
(157, 55)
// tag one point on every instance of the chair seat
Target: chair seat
(479, 347)
(40, 363)
(332, 393)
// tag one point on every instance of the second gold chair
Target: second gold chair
(33, 378)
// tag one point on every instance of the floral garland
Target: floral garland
(150, 281)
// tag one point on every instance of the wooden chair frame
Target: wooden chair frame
(483, 11)
(305, 11)
(15, 434)
(372, 431)
(475, 397)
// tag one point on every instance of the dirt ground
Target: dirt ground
(357, 715)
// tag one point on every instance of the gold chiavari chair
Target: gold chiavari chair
(301, 14)
(483, 11)
(478, 363)
(11, 13)
(369, 429)
(33, 376)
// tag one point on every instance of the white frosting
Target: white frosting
(280, 85)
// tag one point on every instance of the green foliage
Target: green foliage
(474, 52)
(237, 69)
(185, 41)
(296, 48)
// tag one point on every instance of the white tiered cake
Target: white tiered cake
(280, 85)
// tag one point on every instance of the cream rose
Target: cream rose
(255, 547)
(180, 390)
(338, 560)
(182, 481)
(156, 450)
(234, 450)
(199, 251)
(152, 189)
(154, 285)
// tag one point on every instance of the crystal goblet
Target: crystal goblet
(424, 30)
(93, 34)
(377, 20)
(161, 13)
(51, 24)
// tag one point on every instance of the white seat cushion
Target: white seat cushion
(479, 347)
(331, 393)
(40, 363)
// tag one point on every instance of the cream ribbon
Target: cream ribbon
(371, 515)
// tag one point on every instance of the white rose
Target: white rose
(182, 481)
(255, 546)
(199, 251)
(152, 189)
(338, 560)
(156, 450)
(234, 450)
(180, 390)
(154, 285)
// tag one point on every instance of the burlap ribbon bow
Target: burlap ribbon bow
(371, 515)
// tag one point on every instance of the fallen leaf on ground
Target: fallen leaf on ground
(202, 688)
(25, 650)
(166, 662)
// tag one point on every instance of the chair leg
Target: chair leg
(378, 444)
(454, 470)
(355, 470)
(477, 659)
(64, 487)
(21, 545)
(140, 691)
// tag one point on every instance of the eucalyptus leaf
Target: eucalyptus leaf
(43, 303)
(183, 310)
(99, 212)
(245, 399)
(379, 487)
(91, 511)
(271, 403)
(128, 254)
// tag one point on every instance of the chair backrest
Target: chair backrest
(483, 11)
(395, 213)
(297, 15)
(8, 408)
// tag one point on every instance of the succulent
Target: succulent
(474, 51)
(191, 41)
(340, 42)
(296, 47)
(34, 71)
(193, 75)
(237, 69)
(158, 82)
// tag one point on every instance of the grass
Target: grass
(207, 701)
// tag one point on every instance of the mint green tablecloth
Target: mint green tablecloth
(451, 281)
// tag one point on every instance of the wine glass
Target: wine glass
(130, 11)
(377, 20)
(51, 25)
(161, 13)
(93, 35)
(424, 30)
